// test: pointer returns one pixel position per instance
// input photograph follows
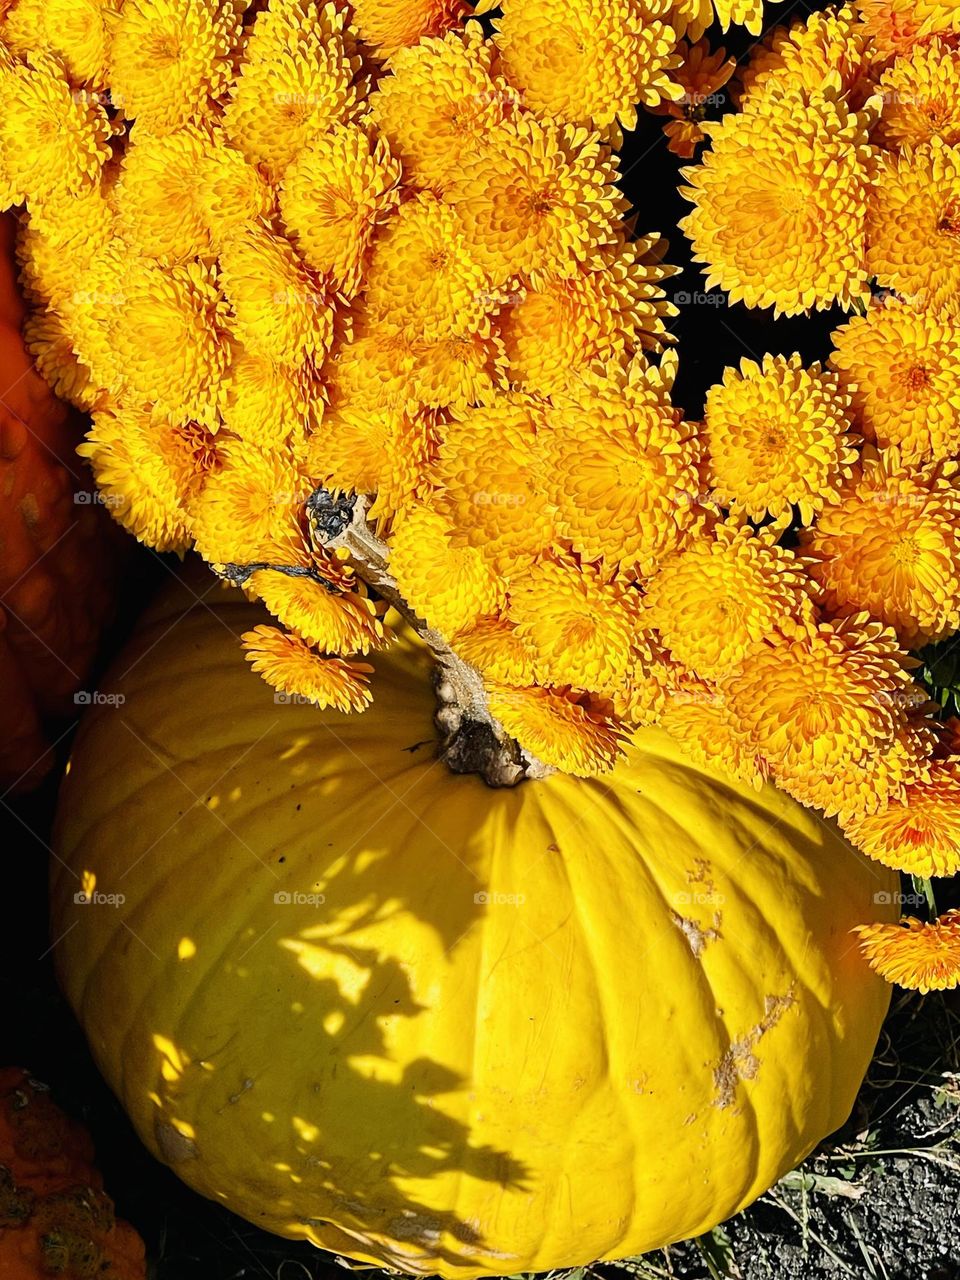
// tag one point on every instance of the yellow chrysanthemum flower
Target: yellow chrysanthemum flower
(580, 624)
(781, 204)
(815, 699)
(179, 195)
(424, 273)
(544, 200)
(495, 647)
(375, 366)
(251, 510)
(296, 670)
(269, 404)
(851, 790)
(890, 547)
(389, 25)
(49, 343)
(334, 195)
(915, 954)
(77, 32)
(558, 728)
(51, 139)
(381, 452)
(458, 369)
(651, 678)
(723, 593)
(298, 78)
(170, 61)
(441, 104)
(562, 325)
(489, 475)
(829, 46)
(778, 436)
(921, 98)
(279, 307)
(621, 470)
(450, 587)
(335, 622)
(62, 237)
(171, 347)
(913, 224)
(901, 369)
(696, 713)
(149, 471)
(590, 64)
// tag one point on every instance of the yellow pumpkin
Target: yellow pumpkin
(433, 1025)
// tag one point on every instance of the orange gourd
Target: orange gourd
(57, 549)
(55, 1219)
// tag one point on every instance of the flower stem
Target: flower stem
(471, 739)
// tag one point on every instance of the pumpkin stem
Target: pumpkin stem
(471, 739)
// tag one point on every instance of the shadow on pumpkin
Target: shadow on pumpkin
(349, 1134)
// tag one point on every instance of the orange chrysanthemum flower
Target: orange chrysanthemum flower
(913, 224)
(425, 273)
(780, 202)
(296, 671)
(333, 197)
(562, 325)
(450, 587)
(701, 75)
(817, 698)
(919, 831)
(892, 28)
(921, 98)
(828, 47)
(697, 714)
(389, 25)
(558, 728)
(489, 474)
(622, 473)
(544, 200)
(778, 435)
(335, 622)
(901, 369)
(252, 509)
(171, 60)
(915, 954)
(378, 452)
(890, 547)
(580, 625)
(722, 594)
(589, 65)
(495, 647)
(441, 104)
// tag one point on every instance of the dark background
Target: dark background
(189, 1238)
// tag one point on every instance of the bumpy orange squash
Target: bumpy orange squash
(428, 1024)
(57, 554)
(55, 1219)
